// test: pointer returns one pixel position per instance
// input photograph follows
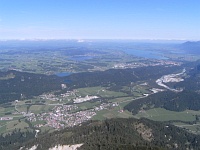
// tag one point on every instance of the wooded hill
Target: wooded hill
(168, 100)
(191, 47)
(15, 85)
(119, 134)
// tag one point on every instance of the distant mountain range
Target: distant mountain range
(190, 47)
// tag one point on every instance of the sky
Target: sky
(100, 19)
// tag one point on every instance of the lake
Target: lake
(81, 58)
(145, 54)
(63, 74)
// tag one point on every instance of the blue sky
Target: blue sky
(100, 19)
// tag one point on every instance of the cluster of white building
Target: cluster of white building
(83, 99)
(49, 96)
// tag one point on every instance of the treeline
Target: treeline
(119, 134)
(168, 100)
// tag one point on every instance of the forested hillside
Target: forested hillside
(168, 100)
(120, 134)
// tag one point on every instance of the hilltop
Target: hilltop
(118, 134)
(191, 47)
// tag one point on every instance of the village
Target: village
(63, 115)
(145, 64)
(67, 115)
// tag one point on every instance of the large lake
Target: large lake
(63, 74)
(81, 58)
(145, 54)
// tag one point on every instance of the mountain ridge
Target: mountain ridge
(191, 47)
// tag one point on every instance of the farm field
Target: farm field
(160, 114)
(101, 91)
(112, 113)
(186, 119)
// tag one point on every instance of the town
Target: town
(146, 64)
(63, 115)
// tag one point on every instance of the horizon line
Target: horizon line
(83, 39)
